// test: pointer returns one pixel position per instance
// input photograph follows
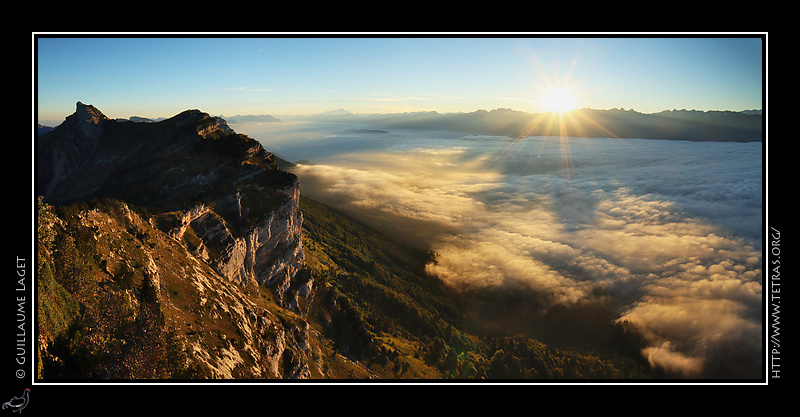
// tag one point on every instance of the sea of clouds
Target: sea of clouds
(665, 235)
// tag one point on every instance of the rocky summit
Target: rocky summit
(223, 188)
(222, 220)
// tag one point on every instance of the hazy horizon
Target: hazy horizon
(155, 77)
(305, 117)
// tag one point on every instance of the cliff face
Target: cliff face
(223, 222)
(219, 192)
(269, 253)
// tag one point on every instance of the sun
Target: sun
(559, 100)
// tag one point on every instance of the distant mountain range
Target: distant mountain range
(741, 126)
(620, 123)
(250, 118)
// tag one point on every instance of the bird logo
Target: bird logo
(18, 403)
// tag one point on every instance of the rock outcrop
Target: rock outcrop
(270, 253)
(219, 196)
(240, 210)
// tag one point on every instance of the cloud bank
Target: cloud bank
(664, 235)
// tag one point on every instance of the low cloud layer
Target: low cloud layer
(665, 234)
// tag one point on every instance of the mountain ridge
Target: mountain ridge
(615, 123)
(218, 194)
(188, 163)
(692, 125)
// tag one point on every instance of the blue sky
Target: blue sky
(160, 77)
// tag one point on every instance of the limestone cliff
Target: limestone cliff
(239, 209)
(222, 222)
(268, 253)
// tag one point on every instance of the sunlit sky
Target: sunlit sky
(160, 76)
